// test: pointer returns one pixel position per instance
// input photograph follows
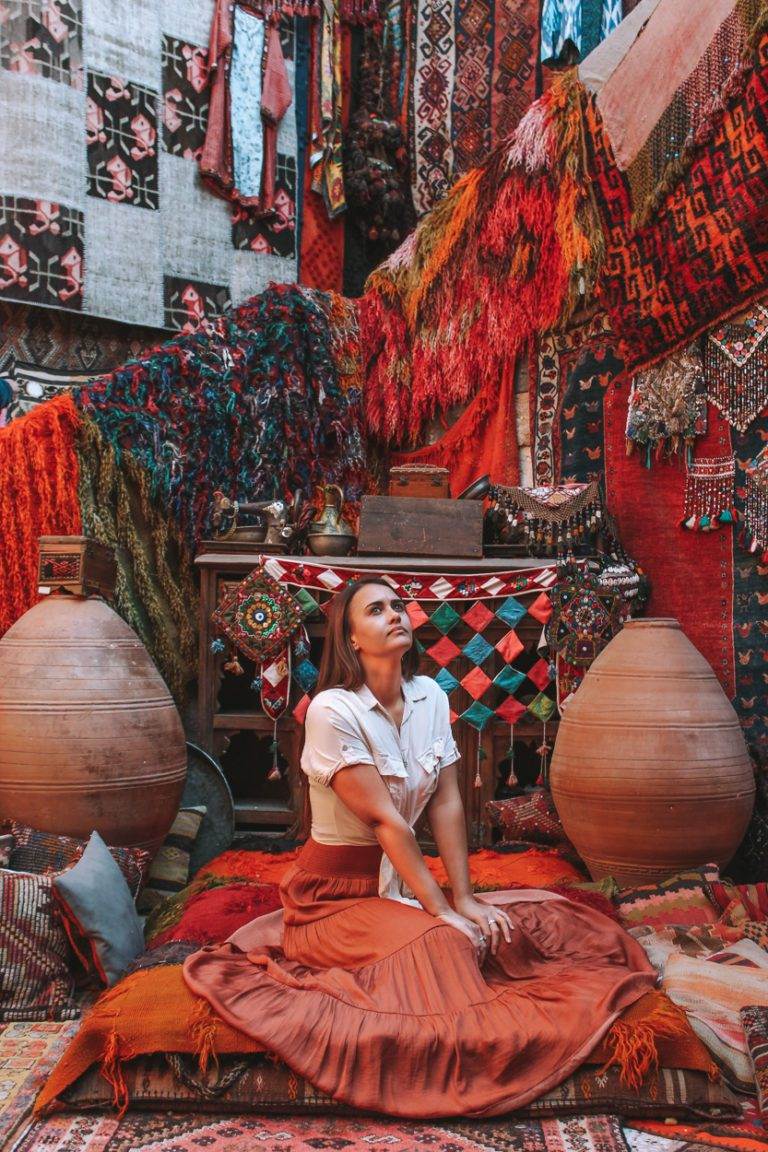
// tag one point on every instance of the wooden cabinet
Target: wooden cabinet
(234, 730)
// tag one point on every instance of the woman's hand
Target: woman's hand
(492, 922)
(470, 930)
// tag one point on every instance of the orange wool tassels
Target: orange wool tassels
(38, 497)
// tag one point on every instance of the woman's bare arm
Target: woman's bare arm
(445, 811)
(363, 791)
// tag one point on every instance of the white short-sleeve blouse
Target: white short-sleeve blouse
(345, 728)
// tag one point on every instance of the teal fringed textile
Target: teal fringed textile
(258, 403)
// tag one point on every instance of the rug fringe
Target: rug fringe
(633, 1046)
(202, 1029)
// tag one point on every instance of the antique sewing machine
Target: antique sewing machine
(275, 524)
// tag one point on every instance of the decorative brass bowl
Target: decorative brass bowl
(330, 543)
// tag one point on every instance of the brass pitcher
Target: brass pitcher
(331, 535)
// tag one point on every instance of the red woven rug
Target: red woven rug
(691, 573)
(704, 253)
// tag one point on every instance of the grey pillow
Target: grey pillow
(97, 904)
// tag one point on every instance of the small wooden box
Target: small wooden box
(76, 564)
(405, 526)
(420, 481)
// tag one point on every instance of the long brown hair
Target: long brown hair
(340, 665)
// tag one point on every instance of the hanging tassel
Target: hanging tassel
(511, 779)
(233, 665)
(478, 777)
(544, 751)
(709, 492)
(274, 772)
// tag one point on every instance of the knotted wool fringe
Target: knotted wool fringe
(155, 591)
(513, 250)
(202, 1029)
(38, 497)
(633, 1046)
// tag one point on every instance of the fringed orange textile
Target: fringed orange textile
(38, 497)
(150, 1011)
(653, 1033)
(202, 1029)
(112, 1072)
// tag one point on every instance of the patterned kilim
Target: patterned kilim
(687, 570)
(704, 252)
(514, 83)
(61, 339)
(571, 372)
(471, 104)
(101, 207)
(475, 71)
(169, 1132)
(754, 1019)
(664, 152)
(434, 73)
(750, 616)
(28, 1051)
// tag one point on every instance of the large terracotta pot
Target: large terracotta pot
(89, 735)
(650, 773)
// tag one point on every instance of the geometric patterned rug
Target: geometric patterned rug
(169, 1132)
(27, 1054)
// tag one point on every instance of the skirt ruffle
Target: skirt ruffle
(386, 1008)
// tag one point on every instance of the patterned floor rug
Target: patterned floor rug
(27, 1054)
(169, 1132)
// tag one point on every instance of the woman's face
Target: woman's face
(378, 622)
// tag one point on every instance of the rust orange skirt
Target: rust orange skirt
(386, 1008)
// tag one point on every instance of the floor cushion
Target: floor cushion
(98, 912)
(682, 899)
(47, 852)
(152, 1011)
(531, 817)
(36, 981)
(260, 1084)
(169, 871)
(211, 916)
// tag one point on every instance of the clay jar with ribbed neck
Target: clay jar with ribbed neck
(89, 735)
(650, 773)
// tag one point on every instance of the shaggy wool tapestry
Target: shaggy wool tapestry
(102, 210)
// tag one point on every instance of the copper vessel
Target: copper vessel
(89, 735)
(650, 773)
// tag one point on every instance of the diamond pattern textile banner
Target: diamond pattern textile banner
(466, 627)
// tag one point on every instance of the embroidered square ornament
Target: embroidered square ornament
(258, 616)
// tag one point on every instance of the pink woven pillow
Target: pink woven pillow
(531, 818)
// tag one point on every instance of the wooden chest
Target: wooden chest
(76, 564)
(406, 526)
(422, 481)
